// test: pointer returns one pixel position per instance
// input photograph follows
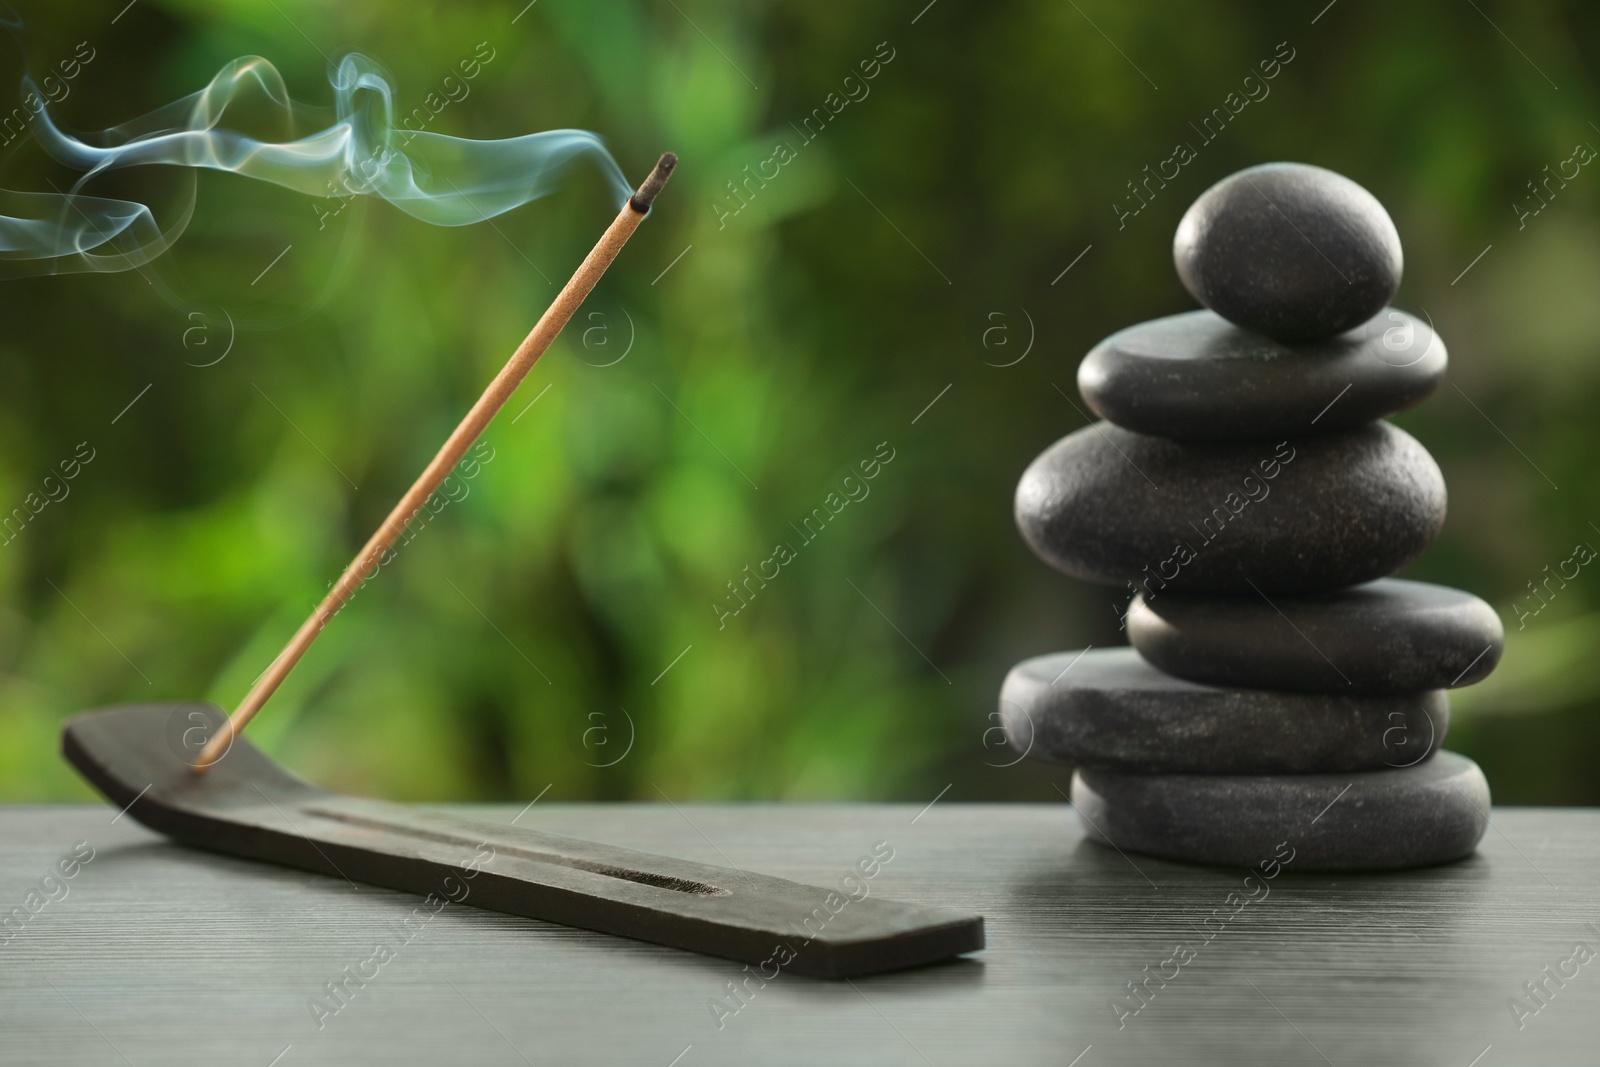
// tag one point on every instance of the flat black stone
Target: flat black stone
(1388, 636)
(1198, 377)
(1289, 250)
(1432, 813)
(1112, 506)
(1108, 709)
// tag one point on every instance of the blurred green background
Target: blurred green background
(733, 368)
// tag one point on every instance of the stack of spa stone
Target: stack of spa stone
(1246, 492)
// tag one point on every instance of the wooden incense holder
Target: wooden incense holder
(249, 806)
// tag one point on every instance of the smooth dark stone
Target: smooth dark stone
(1198, 377)
(1112, 506)
(1289, 250)
(1108, 709)
(1388, 636)
(1432, 813)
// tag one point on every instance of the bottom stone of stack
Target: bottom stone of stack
(1433, 812)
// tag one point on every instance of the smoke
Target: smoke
(355, 150)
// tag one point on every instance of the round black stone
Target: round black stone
(1112, 506)
(1289, 250)
(1388, 636)
(1198, 377)
(1108, 709)
(1434, 812)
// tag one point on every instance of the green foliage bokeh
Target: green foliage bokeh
(562, 615)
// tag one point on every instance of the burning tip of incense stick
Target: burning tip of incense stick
(646, 195)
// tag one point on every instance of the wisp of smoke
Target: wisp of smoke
(358, 151)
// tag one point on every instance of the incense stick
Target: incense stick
(471, 427)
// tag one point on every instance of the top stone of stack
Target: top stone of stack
(1333, 267)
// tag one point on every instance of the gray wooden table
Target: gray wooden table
(155, 954)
